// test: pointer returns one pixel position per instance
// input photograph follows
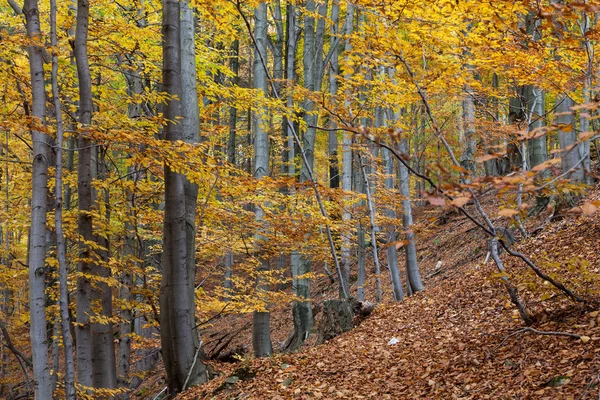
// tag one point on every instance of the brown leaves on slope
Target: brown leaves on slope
(450, 338)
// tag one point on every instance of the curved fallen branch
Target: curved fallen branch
(544, 333)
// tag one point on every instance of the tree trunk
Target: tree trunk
(412, 268)
(371, 207)
(390, 212)
(179, 339)
(261, 328)
(347, 176)
(39, 185)
(334, 69)
(84, 342)
(567, 136)
(467, 159)
(69, 368)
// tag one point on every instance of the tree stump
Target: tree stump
(336, 319)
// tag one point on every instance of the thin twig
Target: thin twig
(192, 367)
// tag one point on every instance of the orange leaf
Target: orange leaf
(460, 201)
(507, 212)
(589, 208)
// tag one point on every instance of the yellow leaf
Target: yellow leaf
(584, 339)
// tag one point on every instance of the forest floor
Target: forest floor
(459, 339)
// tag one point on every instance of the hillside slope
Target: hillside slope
(458, 338)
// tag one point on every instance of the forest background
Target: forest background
(168, 164)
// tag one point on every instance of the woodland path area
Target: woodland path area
(459, 339)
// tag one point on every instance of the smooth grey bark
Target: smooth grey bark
(584, 121)
(534, 106)
(371, 207)
(494, 167)
(179, 339)
(190, 125)
(567, 137)
(467, 159)
(537, 151)
(83, 332)
(261, 327)
(65, 320)
(235, 68)
(103, 349)
(290, 78)
(39, 194)
(277, 50)
(361, 252)
(413, 281)
(390, 212)
(347, 175)
(334, 69)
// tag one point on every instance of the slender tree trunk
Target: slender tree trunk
(567, 136)
(371, 207)
(467, 159)
(261, 328)
(290, 77)
(235, 68)
(69, 368)
(347, 176)
(413, 280)
(39, 184)
(37, 242)
(334, 70)
(103, 349)
(390, 212)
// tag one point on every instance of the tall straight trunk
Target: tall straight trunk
(103, 349)
(413, 281)
(584, 121)
(290, 75)
(69, 367)
(235, 68)
(567, 136)
(334, 69)
(467, 159)
(190, 125)
(516, 114)
(493, 167)
(347, 174)
(371, 208)
(179, 339)
(390, 212)
(261, 328)
(39, 194)
(83, 332)
(537, 151)
(310, 64)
